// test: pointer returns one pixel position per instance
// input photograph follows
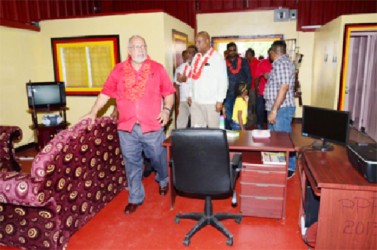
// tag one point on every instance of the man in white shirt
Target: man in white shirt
(184, 89)
(209, 84)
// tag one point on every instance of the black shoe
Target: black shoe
(291, 173)
(163, 190)
(131, 208)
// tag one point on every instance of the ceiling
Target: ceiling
(27, 13)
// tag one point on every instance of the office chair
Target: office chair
(201, 167)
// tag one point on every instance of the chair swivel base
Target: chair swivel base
(208, 218)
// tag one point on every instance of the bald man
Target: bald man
(209, 81)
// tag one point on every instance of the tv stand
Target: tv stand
(323, 145)
(46, 133)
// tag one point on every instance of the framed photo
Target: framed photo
(84, 63)
(180, 41)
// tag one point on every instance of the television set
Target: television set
(46, 95)
(325, 124)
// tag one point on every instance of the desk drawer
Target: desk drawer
(264, 177)
(261, 206)
(263, 167)
(260, 189)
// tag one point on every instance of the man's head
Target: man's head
(202, 42)
(184, 55)
(232, 50)
(191, 51)
(137, 49)
(278, 48)
(250, 54)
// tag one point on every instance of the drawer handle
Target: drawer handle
(261, 198)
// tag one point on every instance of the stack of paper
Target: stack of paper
(261, 133)
(273, 158)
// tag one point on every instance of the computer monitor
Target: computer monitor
(326, 125)
(46, 95)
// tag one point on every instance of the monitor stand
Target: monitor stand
(322, 145)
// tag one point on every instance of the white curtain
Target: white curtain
(361, 98)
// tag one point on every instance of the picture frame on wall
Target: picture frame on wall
(84, 63)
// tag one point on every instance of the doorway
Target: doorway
(361, 81)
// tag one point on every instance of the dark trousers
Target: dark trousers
(260, 110)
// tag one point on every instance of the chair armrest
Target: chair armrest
(21, 189)
(9, 135)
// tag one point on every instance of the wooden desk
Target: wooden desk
(279, 141)
(347, 217)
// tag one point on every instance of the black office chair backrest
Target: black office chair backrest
(200, 161)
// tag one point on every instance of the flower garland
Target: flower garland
(196, 71)
(237, 69)
(135, 83)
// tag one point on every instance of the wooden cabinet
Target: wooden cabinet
(45, 133)
(263, 188)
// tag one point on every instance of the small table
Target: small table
(278, 142)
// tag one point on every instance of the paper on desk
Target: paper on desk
(261, 133)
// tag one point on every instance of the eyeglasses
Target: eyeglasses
(138, 47)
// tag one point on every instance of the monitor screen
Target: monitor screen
(325, 124)
(46, 94)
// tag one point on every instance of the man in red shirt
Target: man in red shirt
(261, 74)
(144, 97)
(253, 64)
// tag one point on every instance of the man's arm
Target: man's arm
(101, 100)
(164, 115)
(246, 69)
(278, 101)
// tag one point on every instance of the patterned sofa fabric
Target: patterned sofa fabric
(75, 175)
(9, 135)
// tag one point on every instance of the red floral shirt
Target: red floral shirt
(146, 108)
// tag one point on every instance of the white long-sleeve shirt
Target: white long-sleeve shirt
(212, 84)
(184, 87)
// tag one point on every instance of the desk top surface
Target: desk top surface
(332, 169)
(279, 141)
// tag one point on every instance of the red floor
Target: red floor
(153, 226)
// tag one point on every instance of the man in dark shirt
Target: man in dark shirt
(238, 71)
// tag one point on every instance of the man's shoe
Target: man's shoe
(163, 190)
(291, 173)
(131, 208)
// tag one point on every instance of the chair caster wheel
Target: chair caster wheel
(238, 220)
(229, 241)
(186, 242)
(177, 220)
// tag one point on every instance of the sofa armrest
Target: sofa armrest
(9, 135)
(21, 189)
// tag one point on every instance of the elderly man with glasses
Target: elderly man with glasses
(144, 97)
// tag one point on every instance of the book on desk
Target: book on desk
(275, 158)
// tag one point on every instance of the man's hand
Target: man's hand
(189, 101)
(219, 107)
(272, 117)
(163, 117)
(89, 115)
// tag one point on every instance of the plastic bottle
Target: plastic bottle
(222, 122)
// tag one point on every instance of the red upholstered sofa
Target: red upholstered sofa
(72, 178)
(9, 135)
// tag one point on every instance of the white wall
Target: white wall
(27, 55)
